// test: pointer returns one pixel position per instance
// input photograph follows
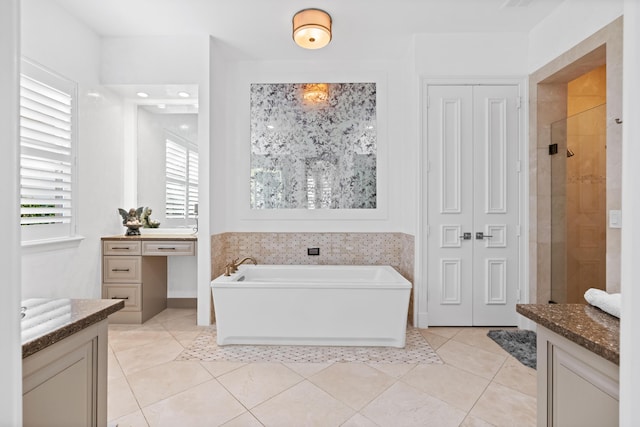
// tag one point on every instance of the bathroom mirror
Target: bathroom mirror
(161, 138)
(313, 146)
(168, 163)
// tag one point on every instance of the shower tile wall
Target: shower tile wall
(395, 249)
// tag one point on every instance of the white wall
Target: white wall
(630, 321)
(471, 54)
(53, 38)
(172, 60)
(394, 195)
(570, 23)
(11, 354)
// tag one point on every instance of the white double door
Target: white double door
(472, 208)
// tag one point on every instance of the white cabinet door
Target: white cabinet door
(472, 185)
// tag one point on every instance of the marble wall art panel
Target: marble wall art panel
(313, 146)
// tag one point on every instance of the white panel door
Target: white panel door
(472, 187)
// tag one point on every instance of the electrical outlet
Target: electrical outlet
(313, 251)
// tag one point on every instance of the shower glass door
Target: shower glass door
(578, 205)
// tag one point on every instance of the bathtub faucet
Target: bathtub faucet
(232, 267)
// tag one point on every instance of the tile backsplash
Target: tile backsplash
(395, 249)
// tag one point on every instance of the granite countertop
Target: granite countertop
(155, 236)
(583, 324)
(48, 321)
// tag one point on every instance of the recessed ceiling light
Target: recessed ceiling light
(162, 106)
(184, 127)
(183, 94)
(142, 94)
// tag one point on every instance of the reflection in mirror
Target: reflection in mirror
(313, 146)
(168, 163)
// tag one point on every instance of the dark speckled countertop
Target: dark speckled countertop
(48, 321)
(583, 324)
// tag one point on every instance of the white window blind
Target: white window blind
(181, 178)
(47, 162)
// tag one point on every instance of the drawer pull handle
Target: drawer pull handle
(119, 297)
(121, 248)
(120, 269)
(166, 249)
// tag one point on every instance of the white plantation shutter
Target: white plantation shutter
(181, 178)
(47, 139)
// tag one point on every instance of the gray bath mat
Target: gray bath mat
(416, 350)
(521, 344)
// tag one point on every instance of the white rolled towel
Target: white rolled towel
(604, 301)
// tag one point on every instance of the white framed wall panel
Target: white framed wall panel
(496, 281)
(498, 233)
(450, 281)
(450, 236)
(496, 155)
(450, 159)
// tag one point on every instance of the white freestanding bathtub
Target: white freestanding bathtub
(312, 305)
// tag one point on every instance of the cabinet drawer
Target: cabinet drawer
(122, 269)
(118, 247)
(168, 248)
(130, 293)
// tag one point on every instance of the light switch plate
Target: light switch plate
(615, 219)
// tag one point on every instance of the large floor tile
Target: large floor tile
(120, 399)
(359, 420)
(403, 405)
(220, 367)
(113, 367)
(162, 381)
(136, 338)
(149, 355)
(434, 340)
(448, 383)
(256, 382)
(307, 369)
(355, 384)
(171, 314)
(207, 404)
(472, 421)
(517, 376)
(444, 331)
(472, 359)
(477, 337)
(303, 405)
(244, 420)
(135, 419)
(395, 370)
(504, 406)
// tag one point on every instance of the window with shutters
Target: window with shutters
(181, 179)
(47, 154)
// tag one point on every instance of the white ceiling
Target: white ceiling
(261, 29)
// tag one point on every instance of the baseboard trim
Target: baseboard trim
(182, 302)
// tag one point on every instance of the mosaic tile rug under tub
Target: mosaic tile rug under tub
(204, 348)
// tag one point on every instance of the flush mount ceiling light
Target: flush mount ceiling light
(312, 28)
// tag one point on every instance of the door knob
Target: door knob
(480, 235)
(466, 236)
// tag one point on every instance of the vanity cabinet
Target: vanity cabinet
(62, 383)
(576, 386)
(64, 362)
(134, 269)
(578, 352)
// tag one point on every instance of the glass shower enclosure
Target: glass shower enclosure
(578, 205)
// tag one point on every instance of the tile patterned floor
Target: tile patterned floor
(478, 384)
(204, 348)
